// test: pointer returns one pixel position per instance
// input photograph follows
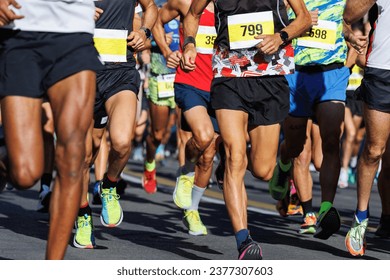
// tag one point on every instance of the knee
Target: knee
(203, 139)
(24, 177)
(303, 160)
(157, 136)
(373, 153)
(236, 161)
(262, 171)
(350, 136)
(121, 146)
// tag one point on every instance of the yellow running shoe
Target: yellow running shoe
(182, 195)
(193, 222)
(84, 237)
(112, 213)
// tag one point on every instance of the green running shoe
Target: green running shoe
(182, 195)
(278, 185)
(193, 222)
(84, 237)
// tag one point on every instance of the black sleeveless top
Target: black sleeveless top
(117, 14)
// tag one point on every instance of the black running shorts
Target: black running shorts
(265, 99)
(113, 79)
(375, 89)
(32, 62)
(354, 103)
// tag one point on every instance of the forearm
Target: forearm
(159, 36)
(191, 20)
(301, 23)
(150, 14)
(356, 9)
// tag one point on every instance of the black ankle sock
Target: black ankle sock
(307, 206)
(46, 179)
(107, 183)
(85, 210)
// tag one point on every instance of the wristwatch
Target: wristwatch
(188, 40)
(147, 31)
(284, 37)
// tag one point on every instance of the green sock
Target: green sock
(285, 167)
(325, 206)
(150, 166)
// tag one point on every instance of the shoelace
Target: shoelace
(193, 216)
(358, 233)
(110, 197)
(149, 176)
(85, 222)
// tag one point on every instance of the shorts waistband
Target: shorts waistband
(319, 68)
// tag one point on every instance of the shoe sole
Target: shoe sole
(329, 224)
(77, 245)
(310, 230)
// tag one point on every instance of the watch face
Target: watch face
(284, 36)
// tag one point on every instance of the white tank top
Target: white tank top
(379, 57)
(63, 16)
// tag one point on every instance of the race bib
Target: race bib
(242, 29)
(111, 44)
(355, 79)
(321, 36)
(165, 85)
(205, 39)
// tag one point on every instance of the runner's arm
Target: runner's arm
(190, 28)
(356, 9)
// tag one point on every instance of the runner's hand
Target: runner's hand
(6, 14)
(359, 43)
(173, 59)
(98, 12)
(270, 43)
(169, 38)
(187, 62)
(137, 40)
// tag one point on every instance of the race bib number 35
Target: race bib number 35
(165, 85)
(111, 44)
(321, 36)
(205, 39)
(243, 27)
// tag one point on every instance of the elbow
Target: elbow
(348, 18)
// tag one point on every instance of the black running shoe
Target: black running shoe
(220, 170)
(250, 250)
(328, 223)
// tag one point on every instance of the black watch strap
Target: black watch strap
(147, 31)
(189, 40)
(284, 36)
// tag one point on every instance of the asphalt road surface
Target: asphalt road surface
(152, 228)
